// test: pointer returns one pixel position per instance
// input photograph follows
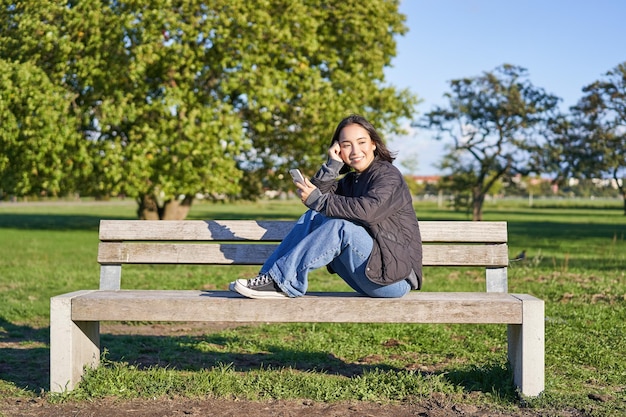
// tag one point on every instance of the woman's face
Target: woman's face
(356, 147)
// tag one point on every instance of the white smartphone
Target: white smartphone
(296, 175)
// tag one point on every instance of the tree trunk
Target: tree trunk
(477, 206)
(149, 208)
(621, 187)
(176, 209)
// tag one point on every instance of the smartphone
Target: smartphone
(296, 175)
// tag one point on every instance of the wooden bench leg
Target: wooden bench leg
(527, 347)
(73, 345)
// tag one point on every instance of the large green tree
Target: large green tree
(493, 123)
(41, 150)
(176, 98)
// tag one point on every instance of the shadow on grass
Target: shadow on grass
(185, 353)
(565, 231)
(24, 359)
(53, 221)
(563, 244)
(92, 222)
(24, 356)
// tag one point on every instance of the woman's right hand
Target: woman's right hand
(334, 152)
(304, 189)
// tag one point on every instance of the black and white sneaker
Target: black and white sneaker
(263, 286)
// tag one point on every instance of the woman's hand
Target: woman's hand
(304, 189)
(334, 152)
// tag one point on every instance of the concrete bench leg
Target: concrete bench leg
(73, 345)
(527, 347)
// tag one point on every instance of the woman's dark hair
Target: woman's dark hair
(381, 149)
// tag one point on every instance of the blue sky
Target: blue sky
(564, 45)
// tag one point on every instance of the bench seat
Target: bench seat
(188, 305)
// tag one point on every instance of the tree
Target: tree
(410, 162)
(604, 108)
(177, 98)
(493, 121)
(42, 150)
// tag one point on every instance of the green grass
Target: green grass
(576, 258)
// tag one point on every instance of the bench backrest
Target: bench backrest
(250, 242)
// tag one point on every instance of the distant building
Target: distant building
(426, 179)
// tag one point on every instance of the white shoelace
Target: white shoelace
(260, 281)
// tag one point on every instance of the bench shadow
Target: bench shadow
(25, 359)
(185, 353)
(24, 356)
(144, 352)
(274, 230)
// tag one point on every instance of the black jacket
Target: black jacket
(378, 199)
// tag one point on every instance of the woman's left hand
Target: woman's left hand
(304, 189)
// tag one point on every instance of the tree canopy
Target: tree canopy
(493, 122)
(42, 152)
(591, 140)
(174, 98)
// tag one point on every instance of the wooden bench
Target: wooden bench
(75, 317)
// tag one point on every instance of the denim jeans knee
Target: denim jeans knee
(313, 243)
(316, 241)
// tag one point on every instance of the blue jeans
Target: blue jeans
(316, 241)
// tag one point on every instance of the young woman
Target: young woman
(362, 227)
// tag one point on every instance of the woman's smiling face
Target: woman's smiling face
(356, 147)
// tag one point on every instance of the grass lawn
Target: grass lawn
(575, 261)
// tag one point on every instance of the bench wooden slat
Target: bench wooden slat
(176, 305)
(256, 254)
(431, 231)
(463, 232)
(489, 256)
(113, 230)
(183, 253)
